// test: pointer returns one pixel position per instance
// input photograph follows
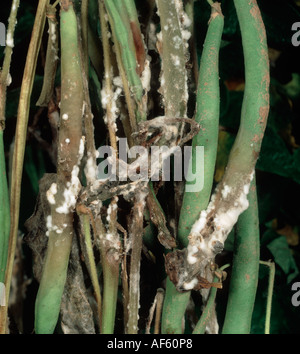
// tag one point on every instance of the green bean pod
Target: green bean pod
(244, 276)
(207, 115)
(64, 193)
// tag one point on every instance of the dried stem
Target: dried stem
(173, 55)
(120, 25)
(51, 59)
(271, 266)
(136, 234)
(86, 218)
(157, 308)
(4, 193)
(110, 250)
(209, 308)
(108, 88)
(20, 141)
(85, 34)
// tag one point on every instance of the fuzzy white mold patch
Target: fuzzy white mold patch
(70, 193)
(73, 187)
(90, 169)
(225, 217)
(190, 285)
(146, 76)
(51, 192)
(9, 40)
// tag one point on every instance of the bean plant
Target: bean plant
(110, 74)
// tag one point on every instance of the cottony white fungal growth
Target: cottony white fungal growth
(48, 224)
(8, 80)
(176, 59)
(190, 285)
(224, 217)
(225, 191)
(90, 169)
(52, 35)
(146, 76)
(73, 187)
(109, 100)
(9, 40)
(51, 193)
(70, 193)
(65, 116)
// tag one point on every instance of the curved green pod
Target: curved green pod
(64, 193)
(244, 276)
(255, 106)
(207, 115)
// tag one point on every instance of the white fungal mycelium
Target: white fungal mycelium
(9, 40)
(175, 59)
(146, 76)
(109, 100)
(190, 285)
(8, 80)
(234, 201)
(225, 191)
(73, 187)
(90, 169)
(70, 193)
(51, 193)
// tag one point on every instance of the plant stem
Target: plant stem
(56, 3)
(174, 74)
(4, 194)
(5, 75)
(110, 294)
(158, 312)
(120, 25)
(92, 264)
(84, 31)
(4, 212)
(110, 260)
(207, 312)
(136, 234)
(271, 266)
(174, 308)
(108, 88)
(20, 140)
(51, 59)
